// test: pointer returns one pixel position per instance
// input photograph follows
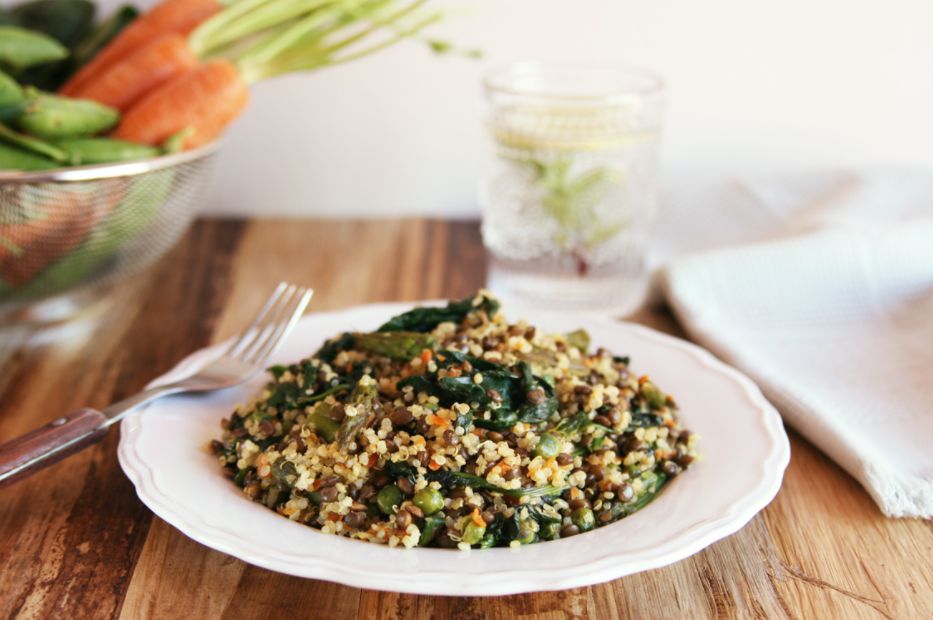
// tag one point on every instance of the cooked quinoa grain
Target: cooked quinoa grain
(449, 427)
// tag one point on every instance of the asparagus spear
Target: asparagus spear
(360, 411)
(396, 345)
(543, 358)
(323, 424)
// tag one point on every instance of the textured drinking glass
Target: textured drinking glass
(571, 193)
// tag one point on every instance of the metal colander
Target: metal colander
(74, 229)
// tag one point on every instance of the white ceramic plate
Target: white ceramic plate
(744, 447)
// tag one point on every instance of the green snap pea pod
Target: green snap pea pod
(12, 97)
(67, 21)
(21, 48)
(103, 34)
(12, 158)
(39, 147)
(83, 151)
(54, 117)
(395, 345)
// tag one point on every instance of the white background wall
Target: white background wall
(754, 86)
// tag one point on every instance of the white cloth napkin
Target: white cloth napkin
(822, 291)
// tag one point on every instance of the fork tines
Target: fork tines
(276, 319)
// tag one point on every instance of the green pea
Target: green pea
(388, 498)
(429, 500)
(583, 518)
(548, 446)
(472, 533)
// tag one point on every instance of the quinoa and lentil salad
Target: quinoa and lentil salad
(450, 427)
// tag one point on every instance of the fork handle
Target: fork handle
(27, 454)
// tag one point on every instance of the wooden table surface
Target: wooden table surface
(76, 542)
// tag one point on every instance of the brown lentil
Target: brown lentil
(337, 414)
(401, 416)
(536, 396)
(405, 485)
(328, 494)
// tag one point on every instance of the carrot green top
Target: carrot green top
(266, 38)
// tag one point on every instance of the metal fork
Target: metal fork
(240, 361)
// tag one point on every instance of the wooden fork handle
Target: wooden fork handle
(27, 454)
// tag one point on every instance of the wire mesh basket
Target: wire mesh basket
(74, 230)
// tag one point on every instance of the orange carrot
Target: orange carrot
(168, 17)
(204, 100)
(125, 82)
(63, 224)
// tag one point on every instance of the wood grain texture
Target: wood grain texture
(75, 541)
